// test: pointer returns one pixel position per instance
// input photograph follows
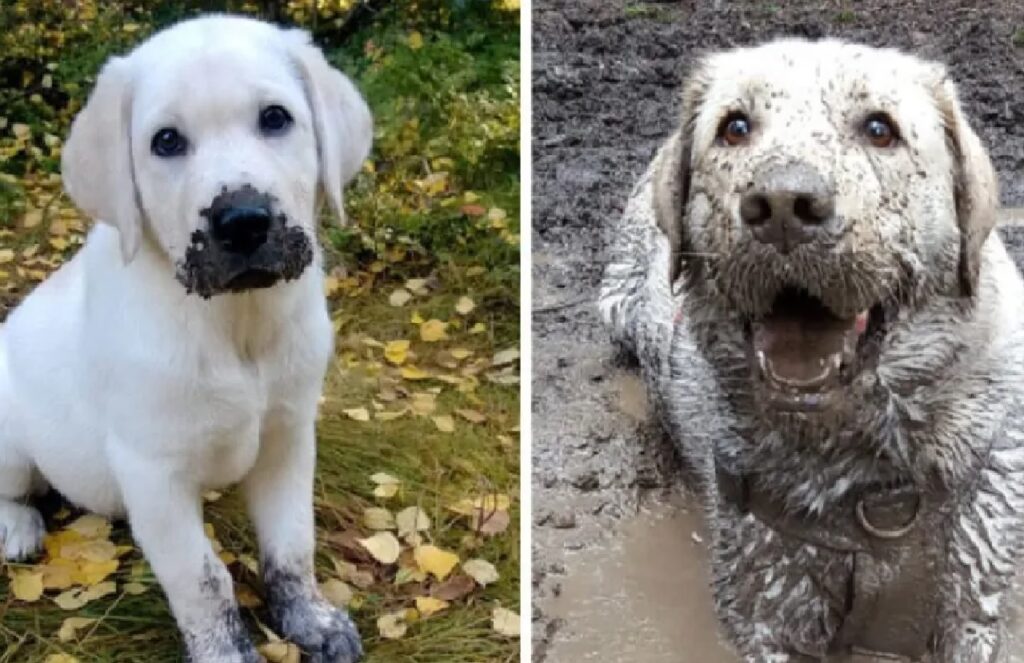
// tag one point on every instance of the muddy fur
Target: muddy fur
(324, 633)
(225, 639)
(208, 269)
(936, 409)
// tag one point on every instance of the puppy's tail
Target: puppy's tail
(635, 302)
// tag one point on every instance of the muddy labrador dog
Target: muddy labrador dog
(835, 340)
(184, 347)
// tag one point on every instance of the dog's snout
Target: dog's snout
(787, 206)
(241, 229)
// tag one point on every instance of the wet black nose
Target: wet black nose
(241, 229)
(788, 206)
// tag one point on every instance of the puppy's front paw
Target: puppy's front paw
(21, 531)
(324, 633)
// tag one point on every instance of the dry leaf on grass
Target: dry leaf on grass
(411, 520)
(396, 352)
(445, 423)
(433, 330)
(377, 518)
(464, 306)
(336, 592)
(399, 297)
(435, 561)
(357, 413)
(482, 571)
(454, 588)
(280, 652)
(428, 605)
(72, 625)
(504, 357)
(386, 485)
(392, 625)
(27, 585)
(505, 622)
(383, 546)
(472, 416)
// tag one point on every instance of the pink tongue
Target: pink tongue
(805, 351)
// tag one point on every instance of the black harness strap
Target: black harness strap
(893, 595)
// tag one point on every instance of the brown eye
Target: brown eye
(735, 129)
(880, 130)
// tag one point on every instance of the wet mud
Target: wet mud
(619, 556)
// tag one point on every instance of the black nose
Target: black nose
(788, 206)
(241, 229)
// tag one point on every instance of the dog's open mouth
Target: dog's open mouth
(803, 354)
(252, 279)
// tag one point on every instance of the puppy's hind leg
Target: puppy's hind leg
(21, 526)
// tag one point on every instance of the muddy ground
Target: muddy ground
(618, 556)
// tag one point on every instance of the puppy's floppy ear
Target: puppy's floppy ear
(96, 164)
(341, 119)
(672, 175)
(975, 187)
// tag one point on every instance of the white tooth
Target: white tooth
(837, 360)
(762, 362)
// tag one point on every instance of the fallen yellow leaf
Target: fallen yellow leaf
(505, 622)
(464, 306)
(396, 352)
(444, 423)
(392, 626)
(377, 518)
(91, 526)
(414, 373)
(435, 561)
(383, 546)
(482, 571)
(336, 592)
(411, 520)
(69, 629)
(357, 413)
(427, 605)
(399, 297)
(433, 330)
(27, 585)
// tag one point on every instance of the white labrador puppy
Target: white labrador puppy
(184, 347)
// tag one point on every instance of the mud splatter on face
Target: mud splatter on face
(212, 266)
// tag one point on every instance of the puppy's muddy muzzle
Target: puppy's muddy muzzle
(245, 246)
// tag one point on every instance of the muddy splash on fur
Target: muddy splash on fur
(209, 269)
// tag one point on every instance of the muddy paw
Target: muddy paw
(324, 633)
(21, 531)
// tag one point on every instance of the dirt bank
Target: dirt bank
(605, 79)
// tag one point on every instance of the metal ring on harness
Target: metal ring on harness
(884, 532)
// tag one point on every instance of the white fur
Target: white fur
(129, 395)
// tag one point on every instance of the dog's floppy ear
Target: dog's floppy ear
(672, 175)
(96, 164)
(976, 189)
(341, 119)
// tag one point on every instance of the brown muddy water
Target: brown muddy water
(643, 596)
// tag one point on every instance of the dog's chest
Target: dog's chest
(233, 410)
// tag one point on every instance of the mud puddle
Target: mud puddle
(641, 597)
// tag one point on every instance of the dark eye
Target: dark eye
(274, 120)
(734, 129)
(168, 143)
(880, 130)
